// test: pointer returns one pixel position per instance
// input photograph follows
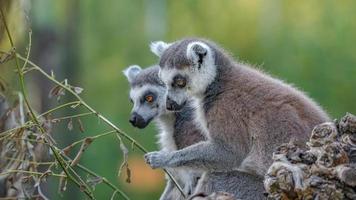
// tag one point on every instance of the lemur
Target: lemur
(238, 184)
(178, 130)
(244, 113)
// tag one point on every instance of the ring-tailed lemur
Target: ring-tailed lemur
(177, 129)
(238, 184)
(244, 113)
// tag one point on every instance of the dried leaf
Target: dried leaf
(61, 92)
(81, 127)
(87, 141)
(54, 91)
(67, 150)
(125, 163)
(6, 56)
(128, 174)
(78, 90)
(70, 124)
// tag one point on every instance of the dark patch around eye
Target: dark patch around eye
(143, 99)
(179, 78)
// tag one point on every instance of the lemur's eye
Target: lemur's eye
(179, 81)
(149, 98)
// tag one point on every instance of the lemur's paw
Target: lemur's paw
(155, 159)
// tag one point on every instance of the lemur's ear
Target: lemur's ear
(131, 72)
(159, 47)
(197, 52)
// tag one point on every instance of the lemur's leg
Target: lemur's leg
(206, 155)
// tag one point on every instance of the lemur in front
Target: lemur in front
(178, 130)
(244, 113)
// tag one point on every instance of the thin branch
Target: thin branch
(33, 116)
(59, 107)
(106, 181)
(30, 172)
(28, 49)
(30, 162)
(71, 116)
(67, 148)
(105, 120)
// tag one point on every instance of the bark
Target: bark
(325, 170)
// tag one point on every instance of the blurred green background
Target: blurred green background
(309, 43)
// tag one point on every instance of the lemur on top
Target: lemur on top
(244, 113)
(177, 129)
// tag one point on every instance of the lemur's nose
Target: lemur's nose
(171, 105)
(137, 120)
(132, 119)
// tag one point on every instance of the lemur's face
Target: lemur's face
(148, 99)
(148, 102)
(187, 69)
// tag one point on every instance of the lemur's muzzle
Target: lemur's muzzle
(137, 120)
(172, 105)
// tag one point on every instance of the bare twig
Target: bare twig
(101, 117)
(35, 119)
(67, 168)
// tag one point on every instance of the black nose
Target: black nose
(172, 105)
(137, 121)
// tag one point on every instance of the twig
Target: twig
(33, 116)
(59, 107)
(71, 116)
(105, 120)
(107, 182)
(30, 172)
(30, 162)
(67, 148)
(28, 49)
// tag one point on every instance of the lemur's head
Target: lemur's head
(187, 67)
(147, 94)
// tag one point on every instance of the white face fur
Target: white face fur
(197, 77)
(147, 110)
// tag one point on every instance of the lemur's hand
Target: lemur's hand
(156, 159)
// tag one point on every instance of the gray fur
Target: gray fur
(147, 76)
(245, 113)
(131, 72)
(177, 130)
(239, 184)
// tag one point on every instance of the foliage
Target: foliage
(23, 131)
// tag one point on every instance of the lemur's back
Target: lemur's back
(259, 113)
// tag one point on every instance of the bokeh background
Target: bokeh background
(309, 43)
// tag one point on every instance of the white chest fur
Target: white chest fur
(165, 124)
(199, 117)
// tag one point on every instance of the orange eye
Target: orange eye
(149, 98)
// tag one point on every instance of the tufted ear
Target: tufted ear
(197, 52)
(159, 47)
(131, 72)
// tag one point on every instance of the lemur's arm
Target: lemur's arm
(204, 155)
